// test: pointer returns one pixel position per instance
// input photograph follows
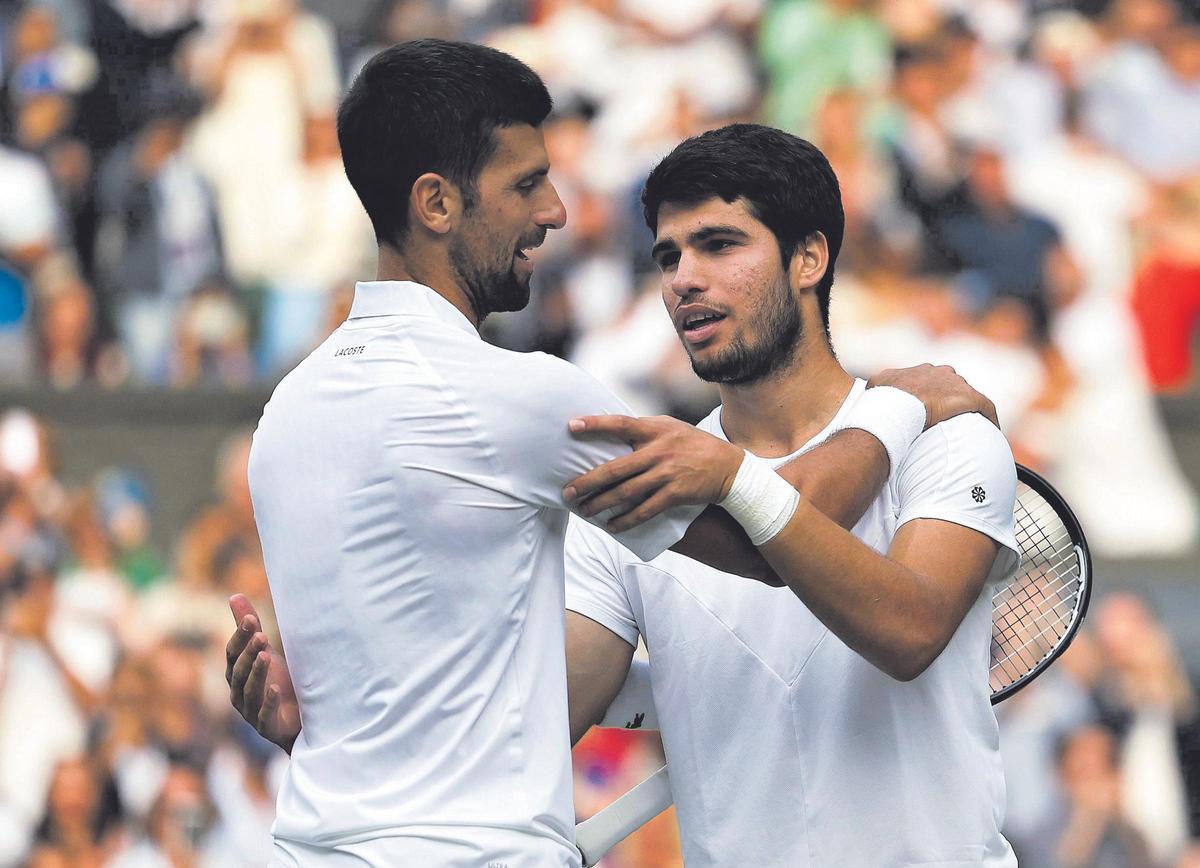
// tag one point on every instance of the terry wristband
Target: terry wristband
(760, 500)
(893, 417)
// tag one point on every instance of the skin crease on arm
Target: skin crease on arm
(841, 478)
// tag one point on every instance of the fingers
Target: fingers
(653, 505)
(989, 410)
(242, 668)
(627, 428)
(254, 704)
(624, 497)
(247, 626)
(270, 706)
(607, 475)
(241, 606)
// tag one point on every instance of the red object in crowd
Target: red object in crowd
(1166, 304)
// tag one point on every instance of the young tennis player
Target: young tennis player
(846, 721)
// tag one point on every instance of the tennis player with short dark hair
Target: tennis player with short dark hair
(848, 722)
(407, 484)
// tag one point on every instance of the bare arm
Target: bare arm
(839, 478)
(898, 611)
(597, 663)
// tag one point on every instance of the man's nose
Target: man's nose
(551, 213)
(688, 277)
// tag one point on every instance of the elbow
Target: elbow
(906, 669)
(907, 662)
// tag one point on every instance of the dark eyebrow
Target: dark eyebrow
(709, 231)
(662, 247)
(698, 237)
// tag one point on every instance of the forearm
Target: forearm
(840, 478)
(896, 618)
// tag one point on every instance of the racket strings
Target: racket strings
(1033, 611)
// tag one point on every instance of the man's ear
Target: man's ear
(809, 262)
(436, 203)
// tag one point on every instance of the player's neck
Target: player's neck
(778, 415)
(429, 269)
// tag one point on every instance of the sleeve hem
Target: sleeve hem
(1004, 539)
(604, 618)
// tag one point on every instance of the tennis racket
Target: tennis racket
(1035, 615)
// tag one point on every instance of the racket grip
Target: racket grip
(603, 831)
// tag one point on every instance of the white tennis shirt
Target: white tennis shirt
(406, 482)
(787, 748)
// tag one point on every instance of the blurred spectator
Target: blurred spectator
(28, 235)
(1011, 252)
(82, 815)
(42, 707)
(811, 47)
(135, 43)
(212, 341)
(1144, 696)
(179, 830)
(1166, 296)
(929, 166)
(1093, 832)
(124, 505)
(159, 234)
(265, 68)
(68, 331)
(218, 554)
(1143, 99)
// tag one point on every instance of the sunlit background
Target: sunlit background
(1022, 192)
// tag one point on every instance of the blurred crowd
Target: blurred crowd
(1021, 181)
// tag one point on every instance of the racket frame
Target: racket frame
(1048, 493)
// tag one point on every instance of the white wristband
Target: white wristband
(760, 500)
(893, 417)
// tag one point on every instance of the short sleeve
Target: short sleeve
(540, 454)
(962, 471)
(594, 585)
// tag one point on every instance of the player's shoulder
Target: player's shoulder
(966, 445)
(540, 380)
(970, 432)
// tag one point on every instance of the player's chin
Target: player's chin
(513, 293)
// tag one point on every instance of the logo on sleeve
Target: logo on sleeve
(978, 494)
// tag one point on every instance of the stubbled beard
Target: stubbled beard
(491, 289)
(779, 327)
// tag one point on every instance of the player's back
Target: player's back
(419, 593)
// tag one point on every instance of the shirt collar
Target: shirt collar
(405, 298)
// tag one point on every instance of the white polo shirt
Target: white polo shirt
(406, 482)
(786, 747)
